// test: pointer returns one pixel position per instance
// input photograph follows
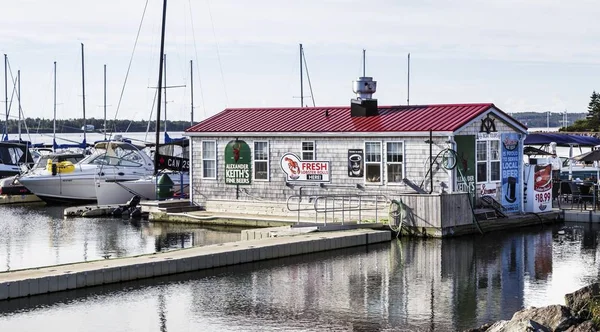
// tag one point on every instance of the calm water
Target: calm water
(41, 236)
(407, 285)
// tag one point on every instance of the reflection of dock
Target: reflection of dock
(29, 282)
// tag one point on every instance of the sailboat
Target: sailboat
(171, 156)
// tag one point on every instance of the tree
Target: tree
(593, 117)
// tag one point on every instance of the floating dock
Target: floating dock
(22, 283)
(20, 199)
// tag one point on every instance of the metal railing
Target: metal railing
(570, 195)
(345, 204)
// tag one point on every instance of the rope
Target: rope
(396, 214)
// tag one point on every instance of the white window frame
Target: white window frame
(402, 163)
(313, 151)
(380, 162)
(214, 142)
(268, 161)
(488, 161)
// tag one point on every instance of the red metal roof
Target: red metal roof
(448, 117)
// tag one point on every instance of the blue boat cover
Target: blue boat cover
(561, 139)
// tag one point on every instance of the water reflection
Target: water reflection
(40, 236)
(408, 285)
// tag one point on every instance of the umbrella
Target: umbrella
(591, 156)
(531, 151)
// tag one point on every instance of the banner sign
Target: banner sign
(511, 172)
(297, 170)
(538, 190)
(238, 163)
(465, 163)
(355, 163)
(173, 163)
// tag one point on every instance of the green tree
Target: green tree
(593, 117)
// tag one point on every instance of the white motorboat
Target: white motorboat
(65, 182)
(172, 162)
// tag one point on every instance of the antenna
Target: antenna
(408, 83)
(301, 80)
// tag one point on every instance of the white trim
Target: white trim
(202, 158)
(402, 163)
(488, 160)
(191, 172)
(374, 162)
(261, 161)
(320, 134)
(518, 127)
(314, 150)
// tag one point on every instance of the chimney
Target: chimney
(364, 104)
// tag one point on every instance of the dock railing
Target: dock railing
(347, 207)
(575, 195)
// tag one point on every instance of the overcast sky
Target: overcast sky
(525, 55)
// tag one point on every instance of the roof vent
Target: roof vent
(364, 88)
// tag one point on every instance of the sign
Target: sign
(488, 189)
(488, 125)
(538, 190)
(465, 163)
(355, 163)
(297, 170)
(511, 170)
(173, 163)
(238, 163)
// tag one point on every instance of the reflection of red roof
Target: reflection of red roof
(337, 119)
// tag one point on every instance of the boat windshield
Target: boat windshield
(42, 161)
(116, 156)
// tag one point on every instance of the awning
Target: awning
(561, 139)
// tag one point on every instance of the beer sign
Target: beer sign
(238, 163)
(297, 170)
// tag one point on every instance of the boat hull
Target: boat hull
(120, 192)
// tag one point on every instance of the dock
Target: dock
(20, 199)
(29, 282)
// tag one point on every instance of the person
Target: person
(556, 164)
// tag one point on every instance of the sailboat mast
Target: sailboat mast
(19, 99)
(54, 121)
(301, 80)
(165, 88)
(191, 94)
(6, 94)
(160, 73)
(83, 91)
(104, 102)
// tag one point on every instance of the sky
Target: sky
(521, 55)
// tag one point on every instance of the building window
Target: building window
(394, 161)
(209, 159)
(308, 151)
(373, 162)
(488, 161)
(261, 161)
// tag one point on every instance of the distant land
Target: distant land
(37, 125)
(545, 119)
